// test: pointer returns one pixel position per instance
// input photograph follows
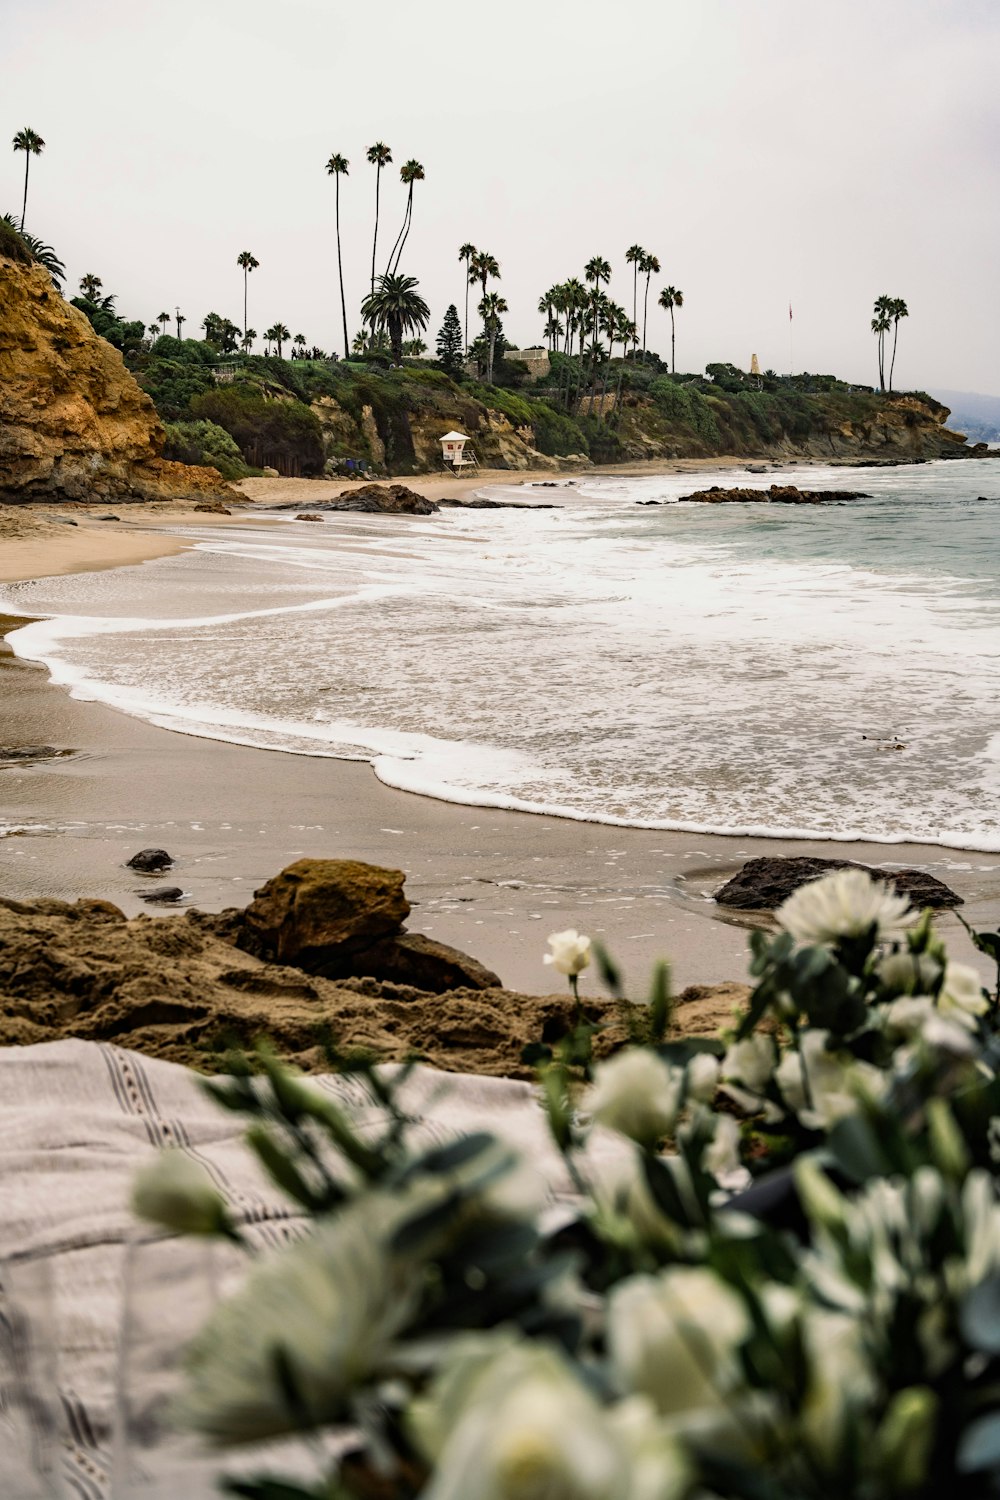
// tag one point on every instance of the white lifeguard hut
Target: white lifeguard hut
(453, 452)
(756, 373)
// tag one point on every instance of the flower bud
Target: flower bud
(176, 1193)
(570, 952)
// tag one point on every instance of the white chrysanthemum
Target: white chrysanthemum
(845, 903)
(177, 1193)
(519, 1424)
(636, 1093)
(673, 1337)
(961, 997)
(570, 952)
(330, 1305)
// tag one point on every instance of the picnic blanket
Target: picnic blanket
(78, 1119)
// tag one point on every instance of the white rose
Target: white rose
(751, 1062)
(570, 952)
(522, 1425)
(331, 1303)
(673, 1336)
(177, 1193)
(636, 1093)
(627, 1210)
(659, 1470)
(721, 1156)
(909, 1015)
(703, 1077)
(821, 1087)
(962, 998)
(845, 903)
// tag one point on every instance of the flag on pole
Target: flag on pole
(789, 312)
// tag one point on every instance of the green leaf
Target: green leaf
(666, 1195)
(857, 1150)
(263, 1488)
(281, 1168)
(535, 1053)
(979, 1316)
(979, 1445)
(609, 971)
(454, 1153)
(660, 1002)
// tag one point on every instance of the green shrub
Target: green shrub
(205, 443)
(281, 434)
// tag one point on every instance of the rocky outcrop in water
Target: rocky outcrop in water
(776, 494)
(763, 884)
(74, 424)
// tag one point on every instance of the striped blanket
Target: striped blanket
(76, 1121)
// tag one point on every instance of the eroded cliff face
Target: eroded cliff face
(74, 424)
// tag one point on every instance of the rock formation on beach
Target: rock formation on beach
(763, 884)
(776, 494)
(187, 987)
(74, 424)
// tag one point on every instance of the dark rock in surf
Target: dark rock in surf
(777, 494)
(763, 884)
(165, 896)
(150, 861)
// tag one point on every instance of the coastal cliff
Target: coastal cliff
(74, 423)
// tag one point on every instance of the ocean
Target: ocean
(817, 672)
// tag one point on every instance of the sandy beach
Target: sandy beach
(492, 883)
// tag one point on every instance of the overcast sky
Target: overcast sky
(768, 151)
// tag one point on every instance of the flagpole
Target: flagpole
(791, 360)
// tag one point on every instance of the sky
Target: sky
(771, 153)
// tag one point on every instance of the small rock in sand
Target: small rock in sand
(150, 861)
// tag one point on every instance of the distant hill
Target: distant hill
(976, 415)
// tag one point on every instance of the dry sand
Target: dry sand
(492, 883)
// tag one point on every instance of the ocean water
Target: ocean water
(789, 671)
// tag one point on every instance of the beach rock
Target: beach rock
(385, 499)
(319, 912)
(214, 508)
(164, 895)
(423, 962)
(776, 494)
(305, 515)
(29, 752)
(150, 861)
(763, 884)
(74, 423)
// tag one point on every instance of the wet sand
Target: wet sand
(491, 882)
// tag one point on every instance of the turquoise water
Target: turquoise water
(794, 671)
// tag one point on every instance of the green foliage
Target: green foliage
(205, 443)
(284, 434)
(11, 243)
(686, 406)
(174, 372)
(14, 242)
(554, 432)
(450, 342)
(128, 337)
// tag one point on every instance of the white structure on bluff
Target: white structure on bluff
(453, 451)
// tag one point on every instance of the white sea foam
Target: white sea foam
(744, 670)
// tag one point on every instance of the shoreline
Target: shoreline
(492, 882)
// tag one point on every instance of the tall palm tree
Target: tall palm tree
(163, 319)
(90, 285)
(277, 334)
(397, 307)
(380, 156)
(179, 319)
(881, 323)
(670, 298)
(597, 270)
(337, 167)
(482, 266)
(575, 294)
(466, 252)
(31, 143)
(154, 331)
(410, 172)
(634, 257)
(490, 310)
(898, 310)
(246, 342)
(300, 343)
(651, 266)
(248, 264)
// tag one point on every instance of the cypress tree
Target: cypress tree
(449, 342)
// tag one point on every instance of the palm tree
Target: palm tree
(398, 307)
(651, 266)
(897, 310)
(246, 342)
(881, 323)
(154, 331)
(163, 319)
(670, 298)
(248, 264)
(575, 294)
(380, 156)
(277, 334)
(597, 270)
(337, 167)
(410, 172)
(90, 285)
(490, 310)
(466, 253)
(300, 343)
(481, 266)
(634, 256)
(31, 144)
(180, 320)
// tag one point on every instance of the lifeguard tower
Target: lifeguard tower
(756, 373)
(454, 454)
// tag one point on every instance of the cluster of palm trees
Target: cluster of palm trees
(576, 311)
(887, 313)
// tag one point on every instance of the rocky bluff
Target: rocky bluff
(74, 424)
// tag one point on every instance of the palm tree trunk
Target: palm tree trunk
(24, 205)
(378, 174)
(390, 269)
(635, 304)
(645, 311)
(244, 301)
(673, 345)
(895, 336)
(340, 271)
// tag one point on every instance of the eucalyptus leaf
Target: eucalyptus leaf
(979, 1316)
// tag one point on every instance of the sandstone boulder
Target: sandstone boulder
(763, 884)
(412, 958)
(319, 913)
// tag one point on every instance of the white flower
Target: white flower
(721, 1156)
(330, 1304)
(845, 903)
(659, 1468)
(673, 1337)
(519, 1426)
(177, 1193)
(626, 1208)
(961, 997)
(751, 1062)
(821, 1087)
(908, 1015)
(703, 1077)
(840, 1379)
(636, 1093)
(570, 952)
(909, 973)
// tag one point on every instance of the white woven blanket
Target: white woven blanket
(77, 1119)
